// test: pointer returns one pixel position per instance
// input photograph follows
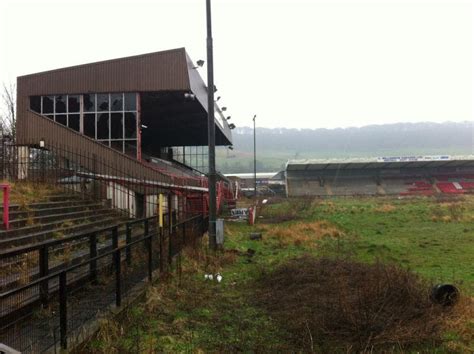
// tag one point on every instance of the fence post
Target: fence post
(149, 243)
(161, 249)
(92, 255)
(117, 264)
(128, 239)
(63, 309)
(94, 180)
(184, 234)
(43, 271)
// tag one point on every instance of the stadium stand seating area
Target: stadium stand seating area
(402, 186)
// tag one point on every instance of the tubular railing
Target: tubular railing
(90, 176)
(102, 270)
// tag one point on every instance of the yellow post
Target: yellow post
(160, 210)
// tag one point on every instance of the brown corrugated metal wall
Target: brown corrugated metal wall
(68, 140)
(161, 71)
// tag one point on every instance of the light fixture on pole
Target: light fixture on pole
(199, 64)
(254, 158)
(211, 135)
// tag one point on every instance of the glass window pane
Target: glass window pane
(102, 102)
(50, 116)
(35, 103)
(89, 103)
(73, 122)
(131, 148)
(116, 126)
(117, 145)
(48, 104)
(73, 104)
(130, 125)
(60, 104)
(105, 142)
(116, 102)
(61, 119)
(103, 126)
(130, 101)
(89, 125)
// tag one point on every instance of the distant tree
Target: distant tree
(8, 103)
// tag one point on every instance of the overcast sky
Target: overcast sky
(301, 64)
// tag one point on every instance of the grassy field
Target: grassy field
(186, 313)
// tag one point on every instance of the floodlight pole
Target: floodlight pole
(211, 135)
(254, 159)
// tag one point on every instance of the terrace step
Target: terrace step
(92, 225)
(47, 205)
(93, 215)
(25, 213)
(65, 215)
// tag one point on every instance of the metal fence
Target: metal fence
(185, 189)
(50, 290)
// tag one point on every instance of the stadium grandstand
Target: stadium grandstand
(402, 176)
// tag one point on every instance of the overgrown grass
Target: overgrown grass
(186, 313)
(24, 193)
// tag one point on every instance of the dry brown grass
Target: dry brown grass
(385, 208)
(461, 322)
(336, 305)
(450, 212)
(301, 233)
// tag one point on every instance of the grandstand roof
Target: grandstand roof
(380, 162)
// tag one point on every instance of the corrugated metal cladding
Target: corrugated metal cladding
(160, 71)
(72, 144)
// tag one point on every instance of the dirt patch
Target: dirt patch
(341, 305)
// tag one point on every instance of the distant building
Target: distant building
(267, 182)
(401, 176)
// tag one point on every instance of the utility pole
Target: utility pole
(254, 158)
(211, 135)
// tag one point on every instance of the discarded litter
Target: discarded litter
(444, 294)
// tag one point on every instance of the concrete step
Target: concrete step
(43, 219)
(99, 223)
(47, 205)
(23, 214)
(94, 215)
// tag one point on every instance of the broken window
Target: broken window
(89, 103)
(110, 118)
(102, 102)
(116, 100)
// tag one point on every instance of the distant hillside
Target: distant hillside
(276, 146)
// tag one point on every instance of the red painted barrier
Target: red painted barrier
(6, 205)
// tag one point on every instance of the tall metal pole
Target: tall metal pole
(211, 132)
(254, 158)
